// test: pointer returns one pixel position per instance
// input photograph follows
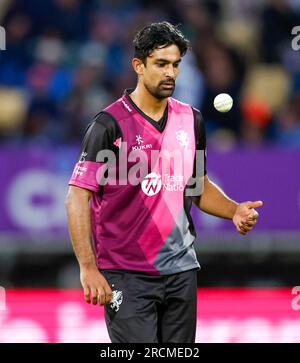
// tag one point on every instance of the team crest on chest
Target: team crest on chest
(182, 138)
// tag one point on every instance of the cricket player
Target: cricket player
(129, 216)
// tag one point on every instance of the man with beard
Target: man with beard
(135, 241)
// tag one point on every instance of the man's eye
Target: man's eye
(161, 65)
(176, 65)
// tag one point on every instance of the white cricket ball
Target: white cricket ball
(223, 102)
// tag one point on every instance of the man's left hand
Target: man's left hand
(246, 216)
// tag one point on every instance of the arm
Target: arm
(99, 135)
(215, 202)
(78, 213)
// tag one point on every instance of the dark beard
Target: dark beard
(160, 93)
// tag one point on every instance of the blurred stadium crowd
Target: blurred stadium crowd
(67, 59)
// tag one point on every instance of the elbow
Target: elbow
(68, 201)
(77, 197)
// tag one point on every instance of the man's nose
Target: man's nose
(170, 71)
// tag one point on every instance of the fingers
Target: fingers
(249, 225)
(250, 222)
(256, 204)
(241, 230)
(86, 292)
(246, 226)
(253, 215)
(94, 293)
(105, 293)
(247, 218)
(251, 219)
(95, 286)
(99, 295)
(108, 294)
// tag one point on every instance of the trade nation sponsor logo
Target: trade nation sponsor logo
(153, 183)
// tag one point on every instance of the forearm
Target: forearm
(79, 223)
(215, 202)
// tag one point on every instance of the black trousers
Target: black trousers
(151, 309)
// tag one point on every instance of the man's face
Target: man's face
(161, 70)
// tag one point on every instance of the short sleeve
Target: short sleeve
(102, 133)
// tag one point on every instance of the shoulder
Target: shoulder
(120, 109)
(185, 107)
(102, 123)
(198, 115)
(104, 120)
(178, 105)
(102, 131)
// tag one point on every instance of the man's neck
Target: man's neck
(150, 105)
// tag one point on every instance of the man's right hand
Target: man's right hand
(95, 286)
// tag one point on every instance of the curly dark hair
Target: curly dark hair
(158, 35)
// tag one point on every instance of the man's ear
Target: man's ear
(138, 66)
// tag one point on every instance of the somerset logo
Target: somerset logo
(151, 184)
(182, 138)
(116, 300)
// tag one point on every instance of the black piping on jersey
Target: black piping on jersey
(117, 134)
(200, 143)
(187, 205)
(200, 138)
(159, 125)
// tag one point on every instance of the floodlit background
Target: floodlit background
(67, 59)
